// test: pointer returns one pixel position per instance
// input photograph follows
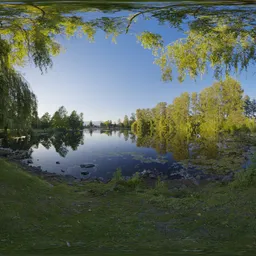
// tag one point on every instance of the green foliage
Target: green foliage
(119, 123)
(135, 181)
(62, 121)
(132, 119)
(75, 121)
(134, 127)
(215, 109)
(250, 125)
(117, 176)
(60, 118)
(45, 121)
(30, 203)
(18, 104)
(150, 41)
(161, 187)
(247, 177)
(126, 121)
(216, 37)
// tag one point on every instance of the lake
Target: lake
(106, 150)
(68, 153)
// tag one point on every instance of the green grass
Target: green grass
(96, 219)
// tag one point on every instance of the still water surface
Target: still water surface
(173, 156)
(107, 152)
(176, 156)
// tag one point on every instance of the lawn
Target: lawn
(38, 218)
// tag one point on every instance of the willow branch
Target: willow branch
(37, 7)
(149, 10)
(132, 18)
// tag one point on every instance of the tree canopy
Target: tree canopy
(218, 108)
(217, 36)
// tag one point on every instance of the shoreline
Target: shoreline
(146, 176)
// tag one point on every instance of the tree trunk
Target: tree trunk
(6, 131)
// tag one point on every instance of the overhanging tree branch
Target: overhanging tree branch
(37, 7)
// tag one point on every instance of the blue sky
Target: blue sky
(106, 80)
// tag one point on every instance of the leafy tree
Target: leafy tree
(126, 121)
(181, 113)
(247, 106)
(60, 118)
(45, 121)
(195, 113)
(108, 124)
(144, 121)
(74, 121)
(220, 38)
(119, 123)
(134, 127)
(159, 113)
(219, 107)
(132, 118)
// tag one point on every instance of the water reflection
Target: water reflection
(180, 145)
(218, 153)
(61, 141)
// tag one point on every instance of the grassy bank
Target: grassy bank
(105, 219)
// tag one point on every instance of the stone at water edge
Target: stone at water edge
(198, 177)
(85, 173)
(176, 177)
(87, 165)
(30, 161)
(152, 176)
(144, 172)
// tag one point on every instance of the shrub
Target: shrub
(161, 187)
(247, 177)
(135, 181)
(118, 175)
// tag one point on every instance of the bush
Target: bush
(251, 125)
(247, 177)
(118, 175)
(161, 187)
(135, 181)
(134, 127)
(122, 185)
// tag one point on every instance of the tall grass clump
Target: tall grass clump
(247, 177)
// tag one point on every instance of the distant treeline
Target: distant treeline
(127, 123)
(220, 107)
(61, 120)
